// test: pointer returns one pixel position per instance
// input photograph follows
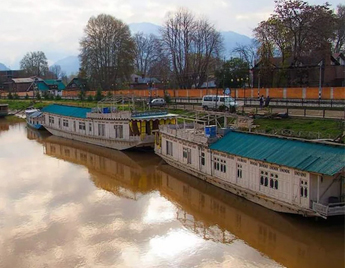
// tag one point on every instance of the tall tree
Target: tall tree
(107, 51)
(147, 52)
(35, 64)
(190, 45)
(339, 42)
(56, 71)
(234, 74)
(298, 29)
(297, 32)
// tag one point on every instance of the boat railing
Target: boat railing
(186, 133)
(332, 209)
(109, 115)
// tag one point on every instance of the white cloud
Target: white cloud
(55, 27)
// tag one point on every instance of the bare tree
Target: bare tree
(147, 52)
(190, 45)
(56, 70)
(339, 42)
(64, 78)
(34, 63)
(247, 53)
(107, 51)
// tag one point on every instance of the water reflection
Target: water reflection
(216, 215)
(128, 175)
(207, 211)
(79, 205)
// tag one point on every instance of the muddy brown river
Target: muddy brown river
(68, 204)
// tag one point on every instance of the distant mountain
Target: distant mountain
(3, 67)
(145, 27)
(69, 65)
(231, 39)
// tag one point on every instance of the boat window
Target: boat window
(203, 159)
(118, 131)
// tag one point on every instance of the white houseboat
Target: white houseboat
(285, 175)
(107, 127)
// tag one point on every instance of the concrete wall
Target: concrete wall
(336, 93)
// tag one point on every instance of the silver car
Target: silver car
(158, 102)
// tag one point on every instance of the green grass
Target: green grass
(23, 104)
(13, 119)
(304, 128)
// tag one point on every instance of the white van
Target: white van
(215, 101)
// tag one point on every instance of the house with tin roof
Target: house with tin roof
(30, 84)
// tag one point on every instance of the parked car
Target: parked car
(216, 101)
(158, 102)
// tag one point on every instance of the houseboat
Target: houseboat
(105, 126)
(35, 120)
(3, 110)
(285, 175)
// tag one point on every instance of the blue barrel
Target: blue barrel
(210, 131)
(106, 110)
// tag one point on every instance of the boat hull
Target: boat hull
(106, 142)
(35, 126)
(252, 196)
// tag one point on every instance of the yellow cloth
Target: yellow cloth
(143, 129)
(138, 124)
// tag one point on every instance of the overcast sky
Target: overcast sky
(56, 26)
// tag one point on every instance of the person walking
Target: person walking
(267, 101)
(261, 100)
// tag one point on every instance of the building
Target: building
(307, 71)
(77, 84)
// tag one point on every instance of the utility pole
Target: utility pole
(320, 79)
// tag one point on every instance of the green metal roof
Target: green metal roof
(65, 110)
(42, 86)
(307, 156)
(59, 83)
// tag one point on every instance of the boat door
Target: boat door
(74, 126)
(303, 192)
(202, 161)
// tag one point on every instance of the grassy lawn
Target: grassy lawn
(301, 127)
(23, 104)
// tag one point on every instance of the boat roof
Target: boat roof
(65, 110)
(303, 155)
(81, 112)
(35, 114)
(152, 115)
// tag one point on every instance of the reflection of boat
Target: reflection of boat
(124, 174)
(105, 126)
(216, 215)
(34, 134)
(3, 110)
